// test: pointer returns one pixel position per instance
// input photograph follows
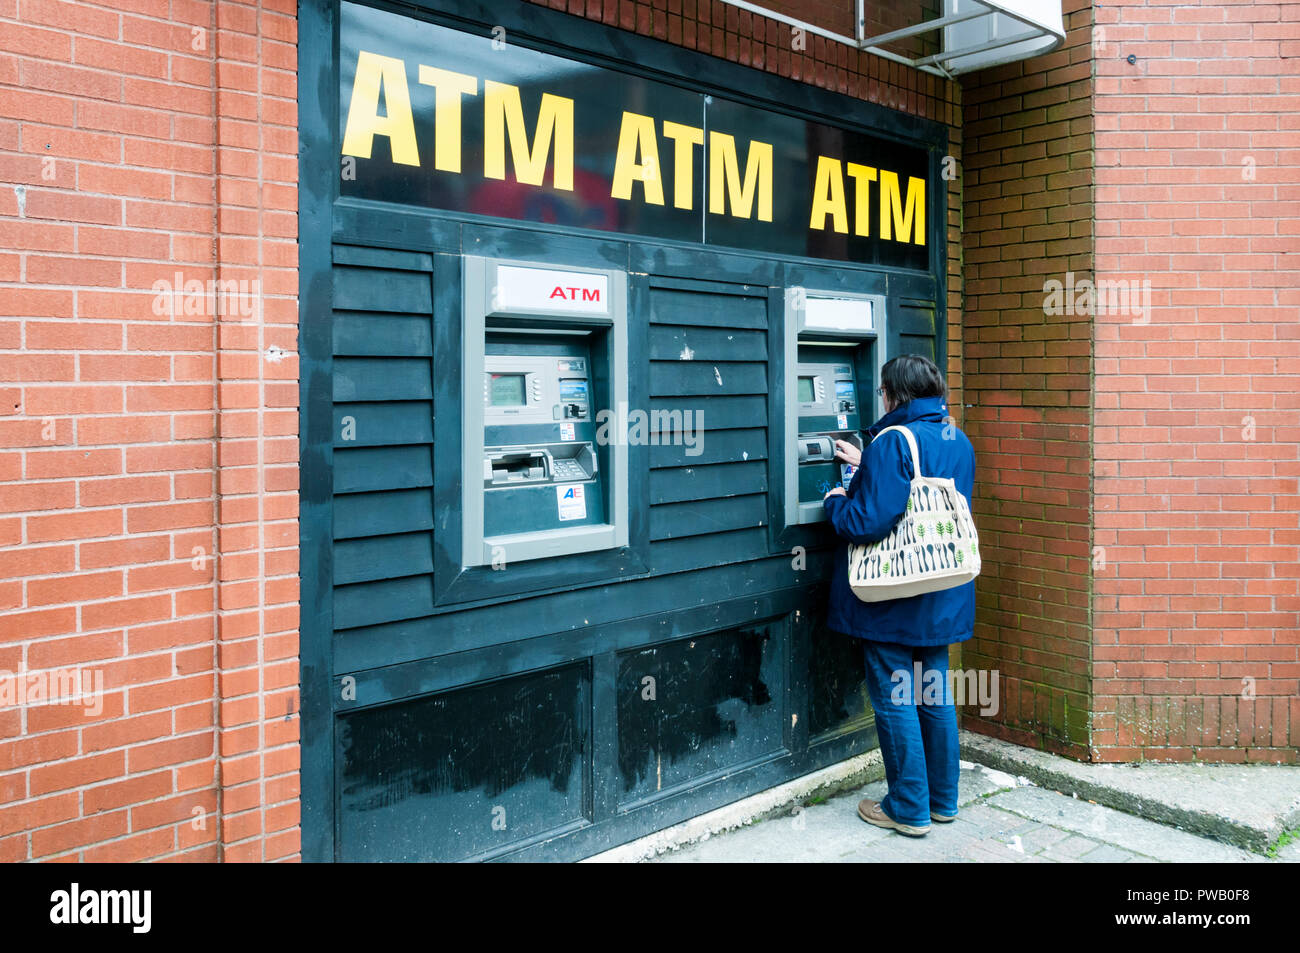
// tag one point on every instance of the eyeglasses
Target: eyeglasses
(880, 391)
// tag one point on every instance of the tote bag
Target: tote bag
(933, 547)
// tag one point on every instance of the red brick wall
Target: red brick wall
(148, 472)
(1028, 220)
(722, 30)
(1196, 609)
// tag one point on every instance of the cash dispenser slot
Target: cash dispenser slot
(553, 463)
(508, 467)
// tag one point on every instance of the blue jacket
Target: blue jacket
(877, 497)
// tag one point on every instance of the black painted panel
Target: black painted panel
(689, 708)
(382, 557)
(837, 693)
(361, 333)
(404, 291)
(696, 517)
(913, 319)
(720, 446)
(382, 468)
(384, 600)
(675, 342)
(372, 514)
(672, 306)
(705, 378)
(715, 413)
(382, 378)
(382, 258)
(916, 344)
(465, 772)
(383, 424)
(714, 549)
(707, 482)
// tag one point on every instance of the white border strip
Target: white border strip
(856, 771)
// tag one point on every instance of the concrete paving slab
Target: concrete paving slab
(830, 831)
(1107, 854)
(850, 774)
(1003, 818)
(1250, 806)
(1100, 824)
(1072, 847)
(989, 822)
(1038, 840)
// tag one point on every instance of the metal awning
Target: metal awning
(975, 33)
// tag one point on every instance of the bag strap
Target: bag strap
(911, 442)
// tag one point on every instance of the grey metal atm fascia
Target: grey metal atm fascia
(796, 313)
(480, 278)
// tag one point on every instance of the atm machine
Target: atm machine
(834, 353)
(545, 351)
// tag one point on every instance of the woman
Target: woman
(918, 738)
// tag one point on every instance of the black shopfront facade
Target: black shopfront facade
(585, 601)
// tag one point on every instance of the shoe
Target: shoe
(943, 818)
(873, 813)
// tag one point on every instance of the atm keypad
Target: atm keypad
(568, 471)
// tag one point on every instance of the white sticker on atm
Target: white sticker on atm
(566, 431)
(572, 498)
(842, 422)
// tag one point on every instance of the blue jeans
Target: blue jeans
(918, 738)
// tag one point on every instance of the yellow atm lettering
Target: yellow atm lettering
(685, 139)
(504, 115)
(863, 176)
(637, 138)
(449, 87)
(364, 121)
(381, 106)
(892, 214)
(829, 199)
(725, 167)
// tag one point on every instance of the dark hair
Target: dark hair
(910, 376)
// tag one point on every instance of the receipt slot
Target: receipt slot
(834, 353)
(545, 351)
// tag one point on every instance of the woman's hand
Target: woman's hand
(838, 491)
(848, 453)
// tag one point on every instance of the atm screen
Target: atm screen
(507, 390)
(806, 395)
